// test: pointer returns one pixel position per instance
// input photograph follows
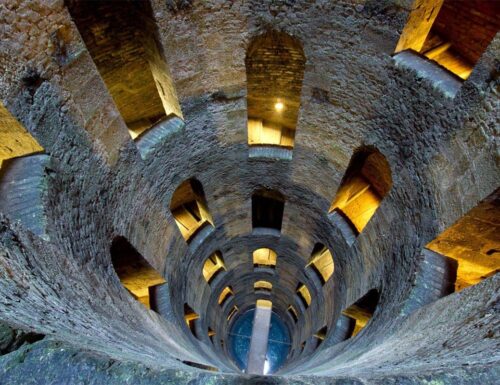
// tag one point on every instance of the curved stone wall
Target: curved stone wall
(441, 152)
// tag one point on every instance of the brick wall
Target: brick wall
(469, 25)
(275, 68)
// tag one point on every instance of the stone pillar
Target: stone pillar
(260, 334)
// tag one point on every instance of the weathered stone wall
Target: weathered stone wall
(353, 95)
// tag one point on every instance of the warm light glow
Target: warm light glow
(264, 303)
(304, 293)
(322, 262)
(279, 106)
(16, 140)
(293, 313)
(225, 294)
(473, 242)
(233, 311)
(263, 285)
(366, 182)
(189, 208)
(264, 256)
(133, 270)
(213, 265)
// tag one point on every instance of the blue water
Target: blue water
(277, 347)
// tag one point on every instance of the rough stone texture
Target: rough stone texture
(23, 191)
(443, 154)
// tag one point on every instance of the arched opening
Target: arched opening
(232, 313)
(267, 209)
(263, 286)
(451, 33)
(293, 313)
(362, 310)
(321, 262)
(275, 65)
(366, 182)
(320, 335)
(264, 257)
(211, 334)
(213, 266)
(191, 318)
(225, 294)
(189, 208)
(473, 242)
(135, 273)
(136, 73)
(304, 295)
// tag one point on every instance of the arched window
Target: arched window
(267, 209)
(213, 265)
(320, 335)
(452, 33)
(365, 184)
(304, 294)
(232, 312)
(191, 317)
(263, 285)
(275, 65)
(136, 73)
(293, 313)
(321, 262)
(264, 257)
(189, 208)
(473, 242)
(362, 310)
(135, 273)
(225, 294)
(211, 334)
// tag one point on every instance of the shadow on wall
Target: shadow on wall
(135, 273)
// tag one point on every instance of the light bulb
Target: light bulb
(279, 106)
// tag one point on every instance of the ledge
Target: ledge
(264, 270)
(270, 152)
(343, 331)
(23, 186)
(157, 134)
(266, 231)
(197, 240)
(343, 226)
(434, 279)
(314, 278)
(440, 77)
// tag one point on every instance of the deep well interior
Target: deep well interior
(231, 192)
